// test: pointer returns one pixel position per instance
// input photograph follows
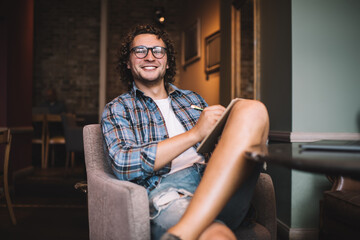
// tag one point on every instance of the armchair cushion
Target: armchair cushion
(263, 202)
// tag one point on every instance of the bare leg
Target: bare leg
(217, 231)
(227, 169)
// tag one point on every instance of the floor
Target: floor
(46, 206)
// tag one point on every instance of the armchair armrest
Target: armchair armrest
(117, 209)
(120, 209)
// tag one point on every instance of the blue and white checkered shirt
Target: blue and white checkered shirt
(133, 125)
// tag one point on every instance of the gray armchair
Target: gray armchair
(120, 209)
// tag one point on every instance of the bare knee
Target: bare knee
(250, 105)
(253, 110)
(217, 231)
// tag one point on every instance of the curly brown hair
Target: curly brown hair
(124, 53)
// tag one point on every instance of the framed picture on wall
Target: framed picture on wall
(212, 53)
(191, 44)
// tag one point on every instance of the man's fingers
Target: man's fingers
(216, 110)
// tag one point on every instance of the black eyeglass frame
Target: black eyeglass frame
(147, 51)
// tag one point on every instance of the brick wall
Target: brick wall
(66, 46)
(247, 48)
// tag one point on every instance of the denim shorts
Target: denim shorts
(169, 200)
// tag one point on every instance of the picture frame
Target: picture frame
(191, 44)
(212, 53)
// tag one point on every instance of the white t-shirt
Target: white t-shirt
(174, 127)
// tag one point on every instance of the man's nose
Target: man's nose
(150, 56)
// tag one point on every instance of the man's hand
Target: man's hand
(207, 120)
(172, 147)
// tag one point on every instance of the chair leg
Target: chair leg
(70, 156)
(53, 156)
(67, 161)
(72, 159)
(45, 162)
(42, 154)
(8, 202)
(7, 194)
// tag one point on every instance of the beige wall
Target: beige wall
(194, 77)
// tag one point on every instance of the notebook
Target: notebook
(209, 142)
(333, 145)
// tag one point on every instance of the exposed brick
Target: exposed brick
(66, 49)
(66, 46)
(247, 48)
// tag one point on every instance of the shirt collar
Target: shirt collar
(135, 91)
(173, 90)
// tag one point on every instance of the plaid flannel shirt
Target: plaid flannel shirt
(133, 125)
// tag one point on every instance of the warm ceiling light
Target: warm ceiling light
(159, 15)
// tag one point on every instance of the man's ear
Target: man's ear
(128, 65)
(167, 66)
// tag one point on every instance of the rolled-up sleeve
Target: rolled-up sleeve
(130, 160)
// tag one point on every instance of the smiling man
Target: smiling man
(148, 68)
(151, 133)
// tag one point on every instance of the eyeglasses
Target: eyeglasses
(142, 51)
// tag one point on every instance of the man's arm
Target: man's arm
(129, 160)
(172, 147)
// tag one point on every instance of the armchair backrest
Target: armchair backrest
(94, 151)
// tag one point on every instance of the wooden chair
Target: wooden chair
(53, 138)
(5, 139)
(39, 137)
(73, 138)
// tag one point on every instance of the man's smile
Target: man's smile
(149, 67)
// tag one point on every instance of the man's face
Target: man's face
(148, 70)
